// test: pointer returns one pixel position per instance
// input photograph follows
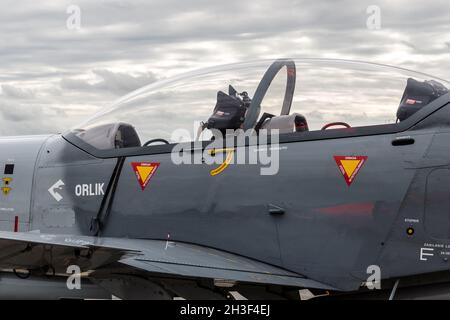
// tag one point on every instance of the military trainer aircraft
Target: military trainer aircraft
(355, 191)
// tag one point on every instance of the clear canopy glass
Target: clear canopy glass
(326, 91)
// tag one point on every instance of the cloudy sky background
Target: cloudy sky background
(52, 77)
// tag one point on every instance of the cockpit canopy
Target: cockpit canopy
(287, 95)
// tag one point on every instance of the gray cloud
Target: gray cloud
(123, 45)
(116, 83)
(17, 113)
(10, 91)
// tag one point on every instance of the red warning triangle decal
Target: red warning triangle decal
(144, 172)
(350, 166)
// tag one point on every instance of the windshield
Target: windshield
(325, 95)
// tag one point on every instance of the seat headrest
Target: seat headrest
(111, 136)
(287, 123)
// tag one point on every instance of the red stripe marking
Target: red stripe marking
(16, 224)
(349, 209)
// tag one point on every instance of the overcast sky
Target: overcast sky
(53, 75)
